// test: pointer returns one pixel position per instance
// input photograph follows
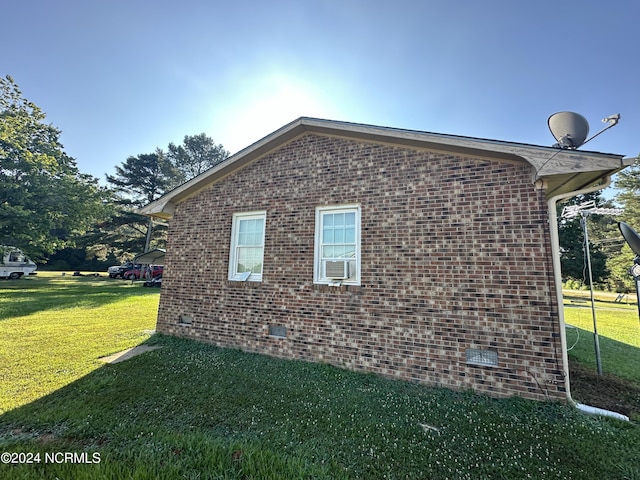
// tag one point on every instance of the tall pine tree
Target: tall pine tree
(139, 180)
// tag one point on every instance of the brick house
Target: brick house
(425, 257)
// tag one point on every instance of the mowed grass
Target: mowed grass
(54, 328)
(618, 329)
(194, 411)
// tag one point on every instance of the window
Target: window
(337, 245)
(247, 246)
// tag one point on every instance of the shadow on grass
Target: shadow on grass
(154, 417)
(190, 408)
(617, 358)
(19, 298)
(585, 300)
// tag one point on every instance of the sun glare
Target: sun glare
(267, 105)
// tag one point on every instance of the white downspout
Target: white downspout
(557, 272)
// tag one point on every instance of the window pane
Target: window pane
(338, 235)
(350, 235)
(327, 236)
(328, 252)
(350, 219)
(328, 220)
(249, 260)
(250, 232)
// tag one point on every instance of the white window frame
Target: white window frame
(233, 252)
(318, 270)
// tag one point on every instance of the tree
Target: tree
(140, 180)
(144, 178)
(123, 234)
(627, 183)
(571, 238)
(45, 202)
(196, 154)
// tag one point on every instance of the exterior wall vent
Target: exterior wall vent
(278, 331)
(336, 269)
(481, 357)
(185, 320)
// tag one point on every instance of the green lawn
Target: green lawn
(53, 329)
(618, 328)
(194, 411)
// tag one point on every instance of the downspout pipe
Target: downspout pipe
(557, 271)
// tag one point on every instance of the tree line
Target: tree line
(611, 257)
(54, 212)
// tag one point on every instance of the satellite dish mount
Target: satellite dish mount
(571, 129)
(633, 240)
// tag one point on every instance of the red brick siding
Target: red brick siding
(455, 255)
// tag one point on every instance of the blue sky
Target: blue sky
(122, 78)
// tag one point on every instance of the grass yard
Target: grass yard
(194, 411)
(54, 328)
(619, 338)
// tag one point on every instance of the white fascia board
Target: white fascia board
(546, 161)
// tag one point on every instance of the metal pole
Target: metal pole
(637, 281)
(147, 242)
(635, 273)
(596, 342)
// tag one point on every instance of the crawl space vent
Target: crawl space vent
(481, 357)
(277, 331)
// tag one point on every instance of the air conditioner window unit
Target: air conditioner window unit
(336, 269)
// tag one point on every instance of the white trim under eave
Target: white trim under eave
(557, 272)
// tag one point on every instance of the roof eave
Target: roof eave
(572, 181)
(548, 163)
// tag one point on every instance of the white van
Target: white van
(14, 263)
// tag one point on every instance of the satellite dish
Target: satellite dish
(630, 235)
(569, 129)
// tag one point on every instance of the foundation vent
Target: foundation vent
(481, 357)
(278, 331)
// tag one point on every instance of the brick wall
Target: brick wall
(455, 255)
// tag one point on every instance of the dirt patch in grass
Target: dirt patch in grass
(605, 391)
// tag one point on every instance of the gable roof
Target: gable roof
(561, 171)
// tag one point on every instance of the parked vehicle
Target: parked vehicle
(14, 263)
(151, 271)
(154, 282)
(119, 270)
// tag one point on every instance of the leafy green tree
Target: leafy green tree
(627, 183)
(123, 234)
(571, 237)
(142, 179)
(196, 154)
(45, 202)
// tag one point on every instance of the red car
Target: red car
(152, 271)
